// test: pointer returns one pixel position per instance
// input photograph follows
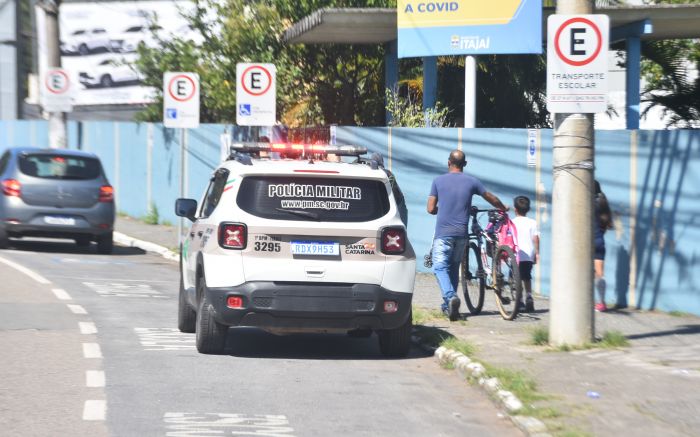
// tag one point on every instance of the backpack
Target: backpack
(507, 233)
(508, 236)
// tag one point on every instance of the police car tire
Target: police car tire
(211, 335)
(396, 342)
(186, 316)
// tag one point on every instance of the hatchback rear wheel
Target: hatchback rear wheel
(4, 241)
(83, 241)
(105, 243)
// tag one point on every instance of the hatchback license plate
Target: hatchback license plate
(323, 248)
(55, 220)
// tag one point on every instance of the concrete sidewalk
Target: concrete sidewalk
(650, 388)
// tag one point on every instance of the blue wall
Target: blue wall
(652, 179)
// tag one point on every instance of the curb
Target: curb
(128, 241)
(474, 371)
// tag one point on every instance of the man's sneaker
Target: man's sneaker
(600, 307)
(454, 309)
(529, 305)
(521, 306)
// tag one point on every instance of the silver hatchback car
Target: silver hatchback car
(57, 194)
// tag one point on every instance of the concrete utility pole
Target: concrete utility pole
(571, 305)
(57, 120)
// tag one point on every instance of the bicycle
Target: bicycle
(487, 264)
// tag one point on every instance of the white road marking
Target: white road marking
(35, 276)
(94, 378)
(92, 350)
(124, 290)
(95, 410)
(88, 278)
(211, 424)
(87, 328)
(76, 309)
(164, 339)
(61, 294)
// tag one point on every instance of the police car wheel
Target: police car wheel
(211, 335)
(396, 342)
(186, 317)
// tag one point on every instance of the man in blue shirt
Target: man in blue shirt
(453, 191)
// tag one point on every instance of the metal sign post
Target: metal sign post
(181, 110)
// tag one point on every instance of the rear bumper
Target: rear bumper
(310, 305)
(20, 219)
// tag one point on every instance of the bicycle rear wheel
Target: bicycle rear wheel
(508, 285)
(473, 282)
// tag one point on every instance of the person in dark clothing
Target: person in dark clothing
(453, 193)
(601, 223)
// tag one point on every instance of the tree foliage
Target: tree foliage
(407, 111)
(316, 84)
(667, 67)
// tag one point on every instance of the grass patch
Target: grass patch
(516, 382)
(166, 223)
(676, 313)
(612, 340)
(152, 217)
(421, 316)
(539, 336)
(458, 345)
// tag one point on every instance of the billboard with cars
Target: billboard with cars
(99, 43)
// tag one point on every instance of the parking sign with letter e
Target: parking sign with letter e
(256, 95)
(181, 100)
(577, 63)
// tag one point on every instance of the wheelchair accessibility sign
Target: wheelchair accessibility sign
(244, 109)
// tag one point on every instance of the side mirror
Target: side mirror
(186, 208)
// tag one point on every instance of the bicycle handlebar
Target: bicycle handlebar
(475, 210)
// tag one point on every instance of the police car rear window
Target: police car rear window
(313, 198)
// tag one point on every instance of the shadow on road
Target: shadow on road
(256, 343)
(68, 247)
(681, 330)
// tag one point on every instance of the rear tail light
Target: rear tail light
(233, 236)
(393, 241)
(11, 187)
(106, 193)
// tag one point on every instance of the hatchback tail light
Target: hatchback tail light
(393, 241)
(11, 187)
(233, 236)
(106, 193)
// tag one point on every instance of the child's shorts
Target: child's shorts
(525, 270)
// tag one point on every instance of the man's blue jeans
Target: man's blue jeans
(447, 256)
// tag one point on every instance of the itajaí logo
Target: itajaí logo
(470, 42)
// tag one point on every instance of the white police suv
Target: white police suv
(290, 239)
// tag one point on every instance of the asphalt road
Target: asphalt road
(95, 351)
